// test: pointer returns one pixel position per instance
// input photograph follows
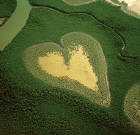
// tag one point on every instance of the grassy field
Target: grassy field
(31, 106)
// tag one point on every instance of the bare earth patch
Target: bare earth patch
(78, 69)
(132, 7)
(2, 20)
(135, 6)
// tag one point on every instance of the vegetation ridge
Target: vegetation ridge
(121, 54)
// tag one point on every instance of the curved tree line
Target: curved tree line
(121, 54)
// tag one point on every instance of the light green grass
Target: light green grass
(78, 2)
(132, 104)
(14, 24)
(116, 1)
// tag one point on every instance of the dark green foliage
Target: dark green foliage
(113, 16)
(7, 7)
(26, 102)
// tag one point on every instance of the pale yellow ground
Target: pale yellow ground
(110, 1)
(133, 5)
(2, 20)
(78, 69)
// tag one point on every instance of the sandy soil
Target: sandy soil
(133, 5)
(78, 69)
(2, 20)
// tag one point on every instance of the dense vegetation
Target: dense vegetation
(29, 105)
(127, 25)
(7, 7)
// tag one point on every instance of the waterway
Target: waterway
(15, 23)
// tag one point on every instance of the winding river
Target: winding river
(15, 23)
(20, 16)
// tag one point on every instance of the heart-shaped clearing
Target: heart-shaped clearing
(79, 66)
(78, 69)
